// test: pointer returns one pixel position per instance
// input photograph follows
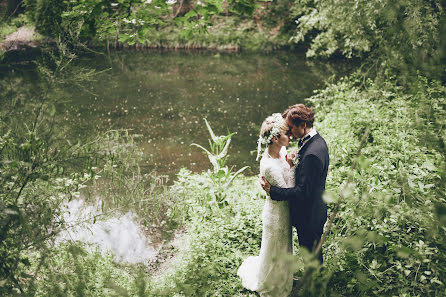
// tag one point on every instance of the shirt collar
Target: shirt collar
(311, 133)
(307, 137)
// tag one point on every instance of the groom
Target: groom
(308, 211)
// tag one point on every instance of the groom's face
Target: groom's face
(296, 131)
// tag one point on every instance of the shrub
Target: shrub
(387, 240)
(47, 15)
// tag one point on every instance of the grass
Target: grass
(389, 237)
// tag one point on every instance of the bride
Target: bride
(270, 273)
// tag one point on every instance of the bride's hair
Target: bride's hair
(267, 127)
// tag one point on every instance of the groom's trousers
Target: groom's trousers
(310, 240)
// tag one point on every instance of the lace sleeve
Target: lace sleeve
(274, 176)
(292, 177)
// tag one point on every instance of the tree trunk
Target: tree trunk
(182, 7)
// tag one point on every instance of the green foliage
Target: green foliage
(47, 15)
(227, 33)
(36, 176)
(71, 270)
(127, 21)
(387, 239)
(222, 176)
(158, 23)
(207, 264)
(6, 29)
(41, 166)
(401, 34)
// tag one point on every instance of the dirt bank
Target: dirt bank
(24, 37)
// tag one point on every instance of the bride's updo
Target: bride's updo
(272, 126)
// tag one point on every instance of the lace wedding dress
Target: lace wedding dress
(270, 273)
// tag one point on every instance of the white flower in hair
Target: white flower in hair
(278, 122)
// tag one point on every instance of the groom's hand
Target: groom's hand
(265, 184)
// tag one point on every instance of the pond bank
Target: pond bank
(217, 39)
(25, 37)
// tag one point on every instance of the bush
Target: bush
(47, 15)
(403, 35)
(387, 240)
(207, 265)
(71, 270)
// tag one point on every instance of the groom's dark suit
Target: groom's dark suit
(308, 210)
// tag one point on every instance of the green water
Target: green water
(164, 96)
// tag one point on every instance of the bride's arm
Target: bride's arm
(275, 177)
(310, 180)
(292, 177)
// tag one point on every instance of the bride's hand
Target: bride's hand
(264, 183)
(290, 157)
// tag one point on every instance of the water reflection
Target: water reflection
(164, 96)
(119, 234)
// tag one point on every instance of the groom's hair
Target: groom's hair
(298, 114)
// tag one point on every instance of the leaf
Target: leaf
(235, 174)
(221, 173)
(214, 162)
(436, 280)
(191, 13)
(199, 146)
(223, 153)
(123, 37)
(429, 166)
(210, 131)
(404, 252)
(329, 197)
(354, 243)
(10, 212)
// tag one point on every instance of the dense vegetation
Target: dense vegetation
(388, 237)
(403, 35)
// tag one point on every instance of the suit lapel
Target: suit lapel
(307, 144)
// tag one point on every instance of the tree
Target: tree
(403, 35)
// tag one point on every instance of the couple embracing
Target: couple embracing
(295, 183)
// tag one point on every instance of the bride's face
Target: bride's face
(284, 139)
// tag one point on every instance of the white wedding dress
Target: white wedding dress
(271, 273)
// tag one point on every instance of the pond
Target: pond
(164, 97)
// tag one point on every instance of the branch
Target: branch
(15, 10)
(179, 9)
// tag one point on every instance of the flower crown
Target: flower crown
(278, 122)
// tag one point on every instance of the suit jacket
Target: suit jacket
(308, 210)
